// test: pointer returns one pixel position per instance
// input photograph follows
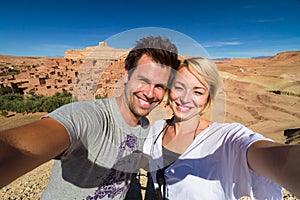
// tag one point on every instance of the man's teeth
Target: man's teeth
(144, 102)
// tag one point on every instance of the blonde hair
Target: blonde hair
(207, 73)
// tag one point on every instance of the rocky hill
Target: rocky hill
(292, 56)
(264, 93)
(47, 76)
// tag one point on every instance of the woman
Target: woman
(193, 158)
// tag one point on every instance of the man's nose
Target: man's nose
(149, 91)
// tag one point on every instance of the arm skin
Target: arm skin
(26, 147)
(278, 162)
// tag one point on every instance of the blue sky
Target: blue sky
(233, 28)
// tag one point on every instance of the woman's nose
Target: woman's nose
(186, 96)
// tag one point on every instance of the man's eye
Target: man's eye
(161, 87)
(144, 81)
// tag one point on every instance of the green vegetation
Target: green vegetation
(5, 90)
(33, 103)
(3, 113)
(11, 71)
(98, 96)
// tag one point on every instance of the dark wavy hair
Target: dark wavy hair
(161, 50)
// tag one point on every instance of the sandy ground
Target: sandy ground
(30, 186)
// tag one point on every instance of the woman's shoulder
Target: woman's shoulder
(228, 124)
(229, 128)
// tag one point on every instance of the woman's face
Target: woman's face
(188, 96)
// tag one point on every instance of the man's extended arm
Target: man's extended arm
(26, 147)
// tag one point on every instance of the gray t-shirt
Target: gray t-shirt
(104, 152)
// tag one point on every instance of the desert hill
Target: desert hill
(264, 93)
(292, 56)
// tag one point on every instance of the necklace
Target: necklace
(195, 132)
(170, 122)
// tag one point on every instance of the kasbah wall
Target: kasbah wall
(85, 73)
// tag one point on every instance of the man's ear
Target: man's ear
(125, 77)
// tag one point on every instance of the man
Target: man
(94, 141)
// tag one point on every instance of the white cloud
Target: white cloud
(269, 20)
(249, 6)
(52, 49)
(245, 53)
(221, 44)
(58, 47)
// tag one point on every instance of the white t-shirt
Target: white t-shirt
(214, 166)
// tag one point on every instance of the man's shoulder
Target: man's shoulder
(104, 102)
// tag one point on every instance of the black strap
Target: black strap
(161, 180)
(134, 192)
(150, 190)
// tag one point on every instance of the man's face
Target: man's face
(146, 86)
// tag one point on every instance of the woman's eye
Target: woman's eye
(198, 93)
(178, 88)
